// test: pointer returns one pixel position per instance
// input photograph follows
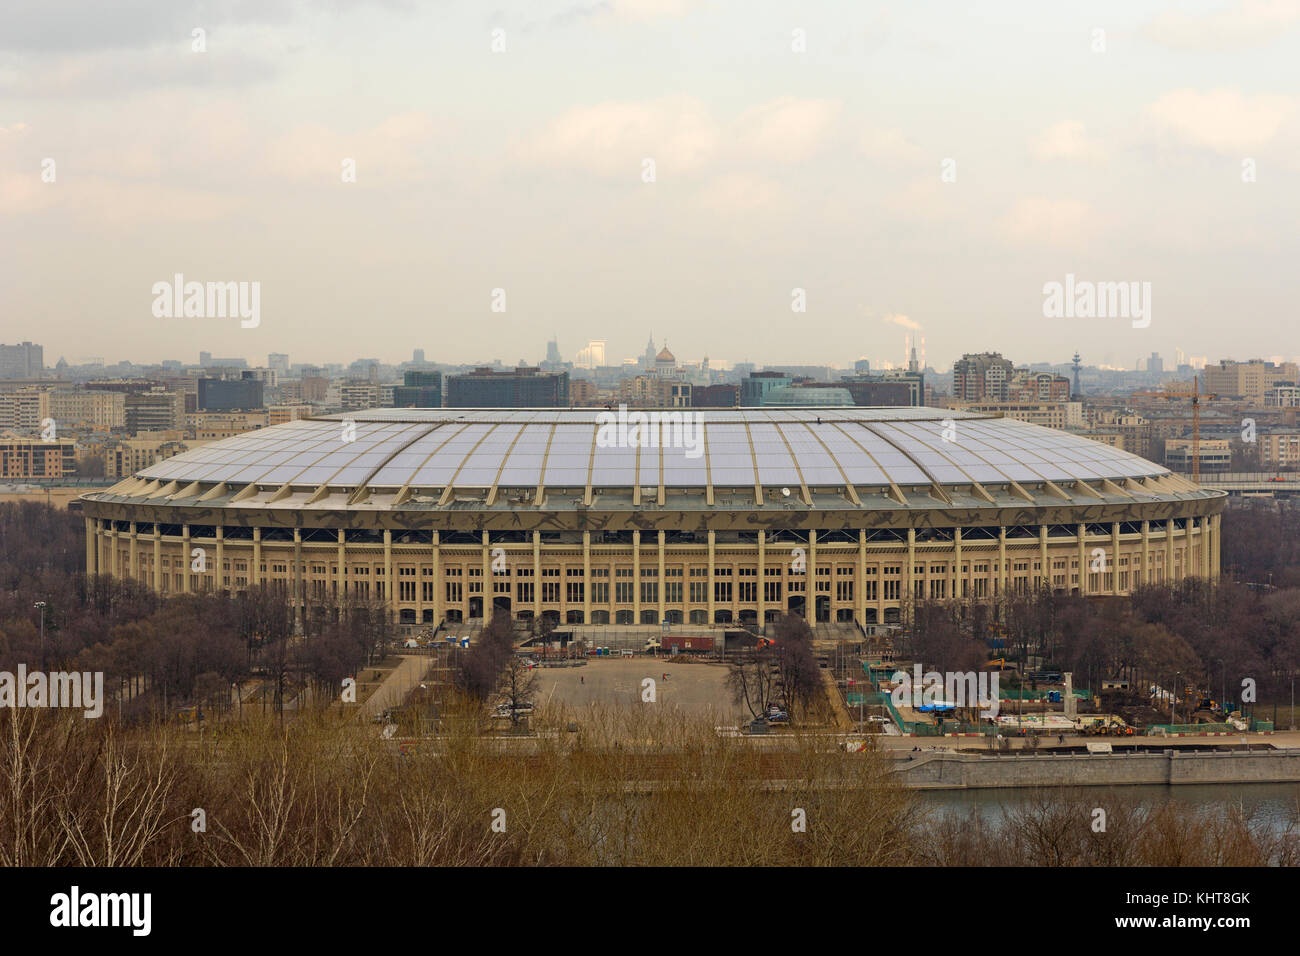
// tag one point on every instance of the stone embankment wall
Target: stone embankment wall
(938, 770)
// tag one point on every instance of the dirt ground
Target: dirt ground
(696, 688)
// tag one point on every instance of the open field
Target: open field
(697, 690)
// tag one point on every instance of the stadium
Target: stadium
(736, 516)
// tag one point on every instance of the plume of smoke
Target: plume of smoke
(904, 321)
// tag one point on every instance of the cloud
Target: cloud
(1221, 120)
(738, 192)
(1239, 25)
(1067, 140)
(1051, 221)
(680, 134)
(112, 73)
(634, 11)
(651, 9)
(889, 146)
(394, 151)
(611, 139)
(786, 130)
(59, 26)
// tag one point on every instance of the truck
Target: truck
(686, 644)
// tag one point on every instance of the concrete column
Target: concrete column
(1205, 547)
(299, 597)
(419, 589)
(712, 543)
(188, 584)
(586, 577)
(91, 536)
(437, 579)
(1004, 574)
(537, 574)
(810, 608)
(220, 571)
(1217, 537)
(485, 556)
(1145, 577)
(1046, 571)
(1114, 559)
(762, 577)
(257, 576)
(113, 560)
(157, 559)
(390, 592)
(1085, 565)
(909, 572)
(663, 582)
(636, 577)
(1169, 550)
(958, 576)
(341, 573)
(860, 580)
(135, 553)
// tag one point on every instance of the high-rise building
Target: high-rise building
(24, 360)
(217, 394)
(419, 389)
(523, 387)
(980, 376)
(279, 363)
(26, 408)
(593, 356)
(1250, 380)
(155, 410)
(103, 410)
(1155, 363)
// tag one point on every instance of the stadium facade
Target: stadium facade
(688, 516)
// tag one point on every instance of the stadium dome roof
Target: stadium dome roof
(745, 447)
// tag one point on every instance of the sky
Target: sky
(687, 169)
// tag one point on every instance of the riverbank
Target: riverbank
(942, 770)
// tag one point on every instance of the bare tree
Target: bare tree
(517, 687)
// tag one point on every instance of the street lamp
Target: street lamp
(41, 606)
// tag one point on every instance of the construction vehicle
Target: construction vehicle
(1104, 725)
(1002, 664)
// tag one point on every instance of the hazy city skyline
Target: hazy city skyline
(793, 149)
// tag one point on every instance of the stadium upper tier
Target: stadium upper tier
(438, 457)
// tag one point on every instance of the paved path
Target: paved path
(397, 684)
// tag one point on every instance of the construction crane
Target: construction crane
(1195, 395)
